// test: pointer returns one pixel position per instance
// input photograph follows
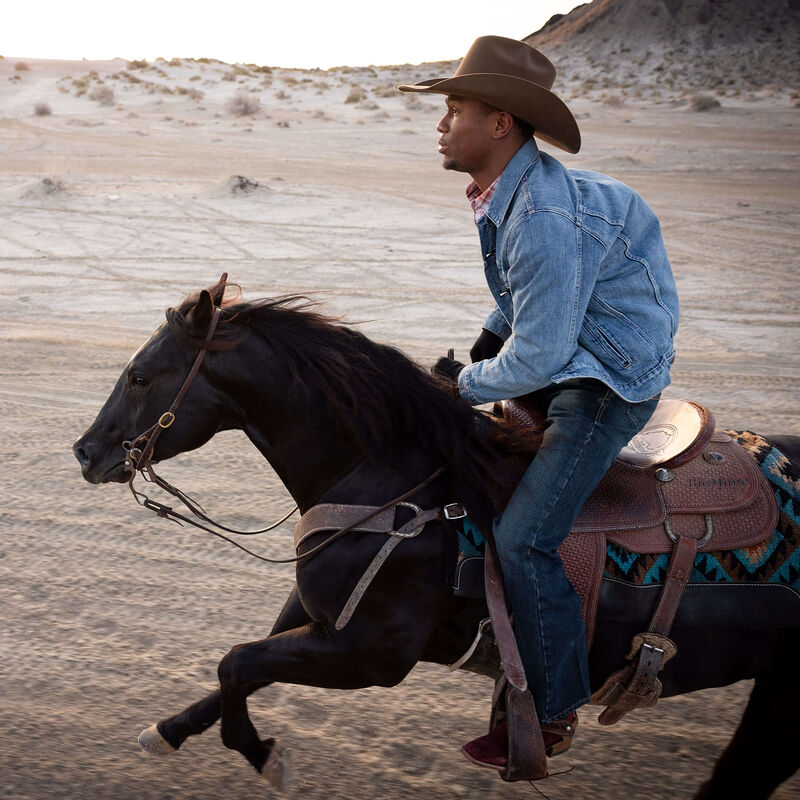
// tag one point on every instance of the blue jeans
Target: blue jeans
(588, 424)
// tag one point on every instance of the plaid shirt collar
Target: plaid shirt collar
(480, 200)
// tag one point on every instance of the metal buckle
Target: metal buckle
(166, 419)
(454, 511)
(700, 542)
(411, 534)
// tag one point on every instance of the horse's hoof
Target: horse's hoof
(151, 741)
(276, 769)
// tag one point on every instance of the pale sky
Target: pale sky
(289, 33)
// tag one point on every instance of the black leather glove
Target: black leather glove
(447, 368)
(487, 345)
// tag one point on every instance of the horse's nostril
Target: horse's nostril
(80, 454)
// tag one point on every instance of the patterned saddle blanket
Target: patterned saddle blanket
(737, 493)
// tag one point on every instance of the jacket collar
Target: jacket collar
(510, 179)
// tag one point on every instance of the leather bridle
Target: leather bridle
(139, 459)
(140, 450)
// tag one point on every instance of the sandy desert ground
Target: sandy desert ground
(113, 208)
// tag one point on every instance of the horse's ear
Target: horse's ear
(218, 289)
(202, 312)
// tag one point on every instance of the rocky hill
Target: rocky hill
(671, 47)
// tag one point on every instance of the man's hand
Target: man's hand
(447, 368)
(487, 345)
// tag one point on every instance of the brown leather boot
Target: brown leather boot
(491, 750)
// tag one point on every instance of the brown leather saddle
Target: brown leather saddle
(679, 487)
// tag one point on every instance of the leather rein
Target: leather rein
(139, 454)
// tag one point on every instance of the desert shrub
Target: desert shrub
(356, 95)
(266, 70)
(42, 110)
(229, 76)
(138, 64)
(52, 185)
(611, 99)
(703, 102)
(282, 95)
(175, 62)
(21, 66)
(243, 104)
(196, 78)
(103, 95)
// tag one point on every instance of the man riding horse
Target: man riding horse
(585, 316)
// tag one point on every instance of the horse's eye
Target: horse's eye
(139, 380)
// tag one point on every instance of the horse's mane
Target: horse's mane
(377, 396)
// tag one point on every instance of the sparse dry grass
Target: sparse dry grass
(243, 104)
(103, 95)
(356, 95)
(22, 66)
(703, 102)
(412, 102)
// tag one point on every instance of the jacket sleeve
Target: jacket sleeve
(497, 324)
(547, 285)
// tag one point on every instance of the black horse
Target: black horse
(343, 419)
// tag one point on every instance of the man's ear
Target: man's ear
(503, 125)
(200, 316)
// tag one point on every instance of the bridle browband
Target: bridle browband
(139, 455)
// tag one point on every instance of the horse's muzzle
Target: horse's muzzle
(97, 469)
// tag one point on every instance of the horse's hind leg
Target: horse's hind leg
(766, 748)
(170, 733)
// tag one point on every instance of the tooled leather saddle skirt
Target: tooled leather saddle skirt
(677, 477)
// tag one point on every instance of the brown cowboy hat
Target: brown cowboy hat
(514, 77)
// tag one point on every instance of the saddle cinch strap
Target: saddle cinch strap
(709, 495)
(327, 517)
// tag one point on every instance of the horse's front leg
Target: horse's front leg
(169, 734)
(313, 656)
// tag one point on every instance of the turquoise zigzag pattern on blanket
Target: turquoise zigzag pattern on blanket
(776, 560)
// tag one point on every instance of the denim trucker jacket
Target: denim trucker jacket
(582, 284)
